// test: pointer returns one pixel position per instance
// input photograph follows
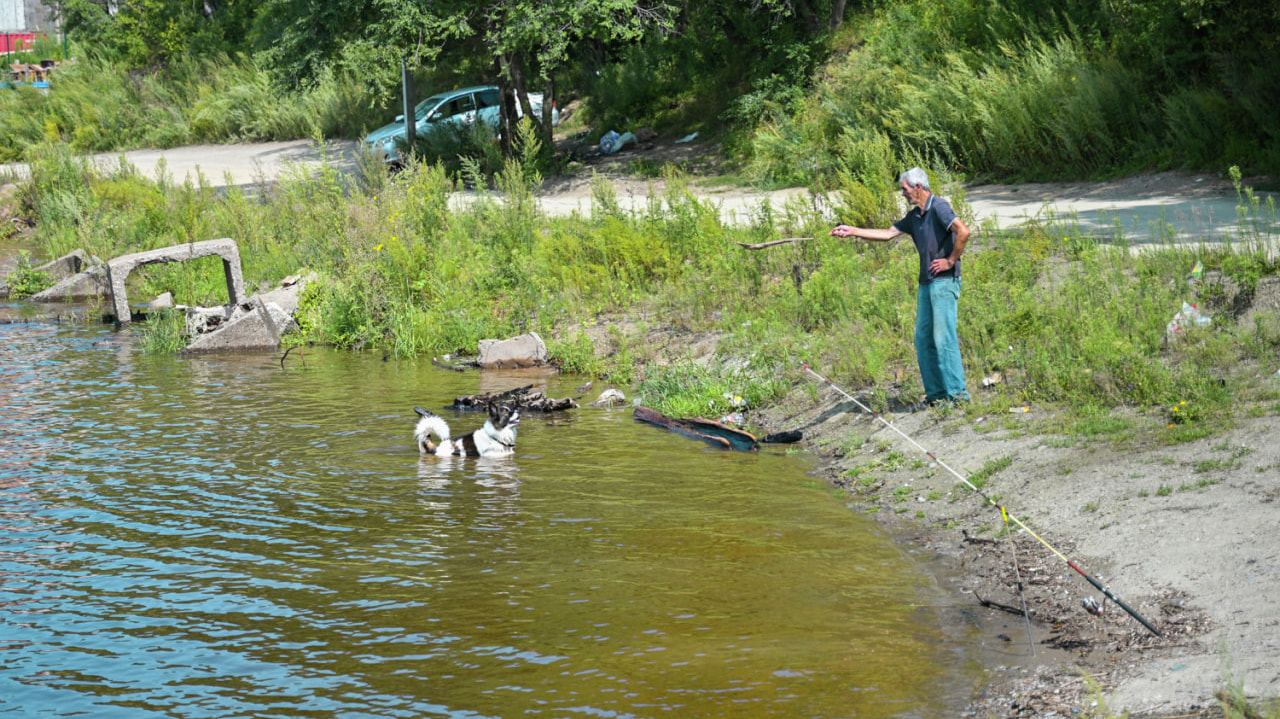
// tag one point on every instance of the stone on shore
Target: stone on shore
(257, 324)
(610, 398)
(91, 283)
(259, 328)
(527, 350)
(163, 301)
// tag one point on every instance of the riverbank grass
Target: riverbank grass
(1069, 321)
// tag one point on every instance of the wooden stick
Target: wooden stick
(771, 243)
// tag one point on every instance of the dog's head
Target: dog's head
(503, 416)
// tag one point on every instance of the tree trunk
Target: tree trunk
(548, 105)
(506, 105)
(837, 14)
(516, 67)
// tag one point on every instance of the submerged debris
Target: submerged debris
(527, 398)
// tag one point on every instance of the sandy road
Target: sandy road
(1145, 208)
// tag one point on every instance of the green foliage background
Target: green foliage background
(800, 92)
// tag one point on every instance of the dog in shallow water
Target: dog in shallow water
(497, 438)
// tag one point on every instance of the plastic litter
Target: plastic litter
(733, 418)
(1019, 410)
(1189, 316)
(611, 141)
(688, 138)
(995, 379)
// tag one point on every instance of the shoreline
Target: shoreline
(1123, 513)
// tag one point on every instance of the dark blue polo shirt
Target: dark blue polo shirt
(930, 230)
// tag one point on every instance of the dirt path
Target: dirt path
(1146, 208)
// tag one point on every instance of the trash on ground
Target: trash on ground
(1189, 316)
(688, 138)
(995, 379)
(611, 141)
(1019, 410)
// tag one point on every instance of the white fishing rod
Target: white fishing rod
(1003, 512)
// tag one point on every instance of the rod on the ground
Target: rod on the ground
(1098, 585)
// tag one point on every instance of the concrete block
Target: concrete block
(161, 302)
(93, 282)
(118, 269)
(527, 350)
(256, 329)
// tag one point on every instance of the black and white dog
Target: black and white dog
(497, 438)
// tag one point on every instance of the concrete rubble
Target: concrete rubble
(256, 324)
(77, 276)
(610, 398)
(527, 350)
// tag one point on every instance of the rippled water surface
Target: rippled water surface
(221, 537)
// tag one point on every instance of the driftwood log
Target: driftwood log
(527, 398)
(707, 430)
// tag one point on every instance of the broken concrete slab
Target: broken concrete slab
(527, 350)
(60, 269)
(72, 263)
(118, 269)
(163, 301)
(286, 295)
(89, 284)
(201, 320)
(256, 329)
(256, 324)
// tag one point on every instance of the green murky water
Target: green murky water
(221, 537)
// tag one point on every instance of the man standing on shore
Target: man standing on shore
(940, 237)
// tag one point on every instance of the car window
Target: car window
(487, 98)
(455, 106)
(461, 104)
(420, 110)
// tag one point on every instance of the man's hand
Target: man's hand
(844, 231)
(941, 265)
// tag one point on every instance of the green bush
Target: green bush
(26, 280)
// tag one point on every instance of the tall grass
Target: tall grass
(95, 105)
(975, 88)
(1066, 319)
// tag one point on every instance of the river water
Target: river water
(224, 537)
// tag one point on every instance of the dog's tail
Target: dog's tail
(430, 423)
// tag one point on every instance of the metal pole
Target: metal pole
(410, 122)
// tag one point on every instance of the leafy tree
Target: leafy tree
(145, 33)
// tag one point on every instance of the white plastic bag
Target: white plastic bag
(1188, 316)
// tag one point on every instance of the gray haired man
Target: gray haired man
(940, 237)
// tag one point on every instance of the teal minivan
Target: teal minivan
(459, 108)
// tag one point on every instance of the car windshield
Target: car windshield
(420, 110)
